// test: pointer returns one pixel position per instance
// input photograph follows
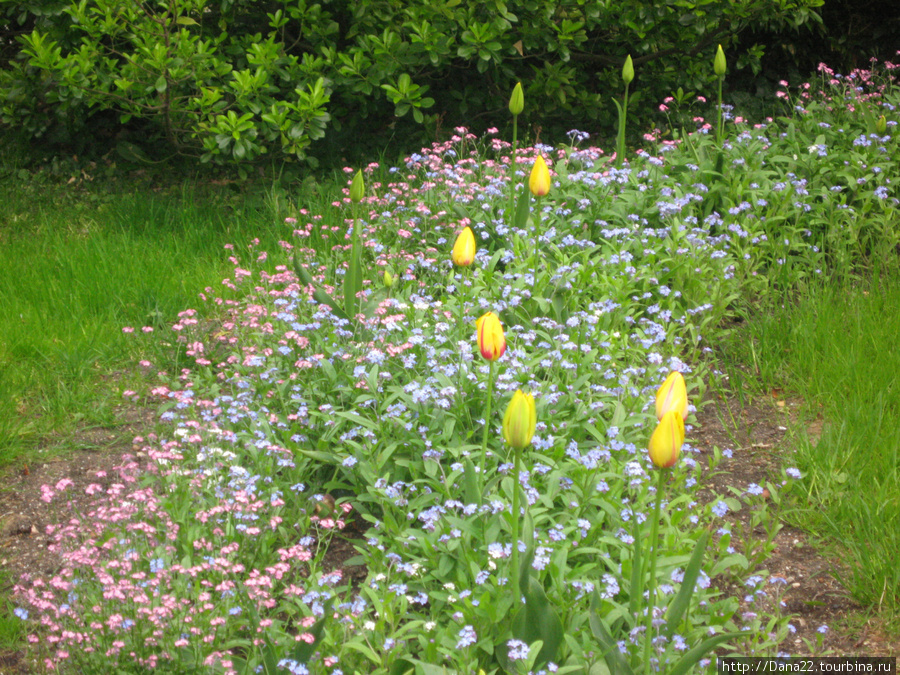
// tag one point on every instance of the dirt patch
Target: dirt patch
(755, 433)
(811, 592)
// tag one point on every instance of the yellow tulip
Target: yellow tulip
(520, 420)
(539, 181)
(517, 100)
(719, 62)
(667, 439)
(672, 395)
(491, 341)
(464, 249)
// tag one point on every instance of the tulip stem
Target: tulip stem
(514, 561)
(462, 326)
(487, 422)
(652, 547)
(537, 232)
(512, 173)
(720, 127)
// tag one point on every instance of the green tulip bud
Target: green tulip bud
(719, 62)
(517, 100)
(388, 279)
(357, 188)
(628, 71)
(881, 125)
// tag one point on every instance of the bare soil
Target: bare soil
(756, 433)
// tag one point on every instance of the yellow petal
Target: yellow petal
(491, 340)
(672, 395)
(539, 181)
(463, 253)
(520, 420)
(667, 439)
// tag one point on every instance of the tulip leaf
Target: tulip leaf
(304, 650)
(690, 659)
(353, 280)
(537, 620)
(636, 591)
(318, 294)
(683, 600)
(523, 208)
(470, 483)
(615, 660)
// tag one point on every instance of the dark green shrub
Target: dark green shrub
(237, 79)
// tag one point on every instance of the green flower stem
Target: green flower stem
(537, 234)
(514, 560)
(462, 328)
(651, 554)
(620, 137)
(487, 423)
(720, 127)
(512, 172)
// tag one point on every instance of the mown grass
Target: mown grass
(78, 263)
(835, 346)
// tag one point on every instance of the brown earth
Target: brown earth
(756, 433)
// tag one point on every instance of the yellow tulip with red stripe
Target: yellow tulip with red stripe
(491, 340)
(520, 420)
(667, 439)
(672, 395)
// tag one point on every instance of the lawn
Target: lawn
(489, 365)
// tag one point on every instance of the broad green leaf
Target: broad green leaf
(615, 660)
(683, 600)
(690, 659)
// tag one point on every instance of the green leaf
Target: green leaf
(615, 660)
(537, 620)
(636, 590)
(470, 483)
(303, 651)
(690, 659)
(683, 600)
(523, 207)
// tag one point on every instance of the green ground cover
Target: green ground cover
(295, 405)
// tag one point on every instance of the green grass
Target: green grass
(79, 264)
(837, 348)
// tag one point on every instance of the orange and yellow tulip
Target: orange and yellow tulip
(672, 395)
(491, 340)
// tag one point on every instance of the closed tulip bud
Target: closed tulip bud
(463, 253)
(519, 421)
(491, 341)
(672, 395)
(667, 439)
(388, 279)
(719, 62)
(539, 181)
(357, 188)
(517, 100)
(628, 71)
(881, 125)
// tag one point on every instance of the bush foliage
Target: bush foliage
(237, 79)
